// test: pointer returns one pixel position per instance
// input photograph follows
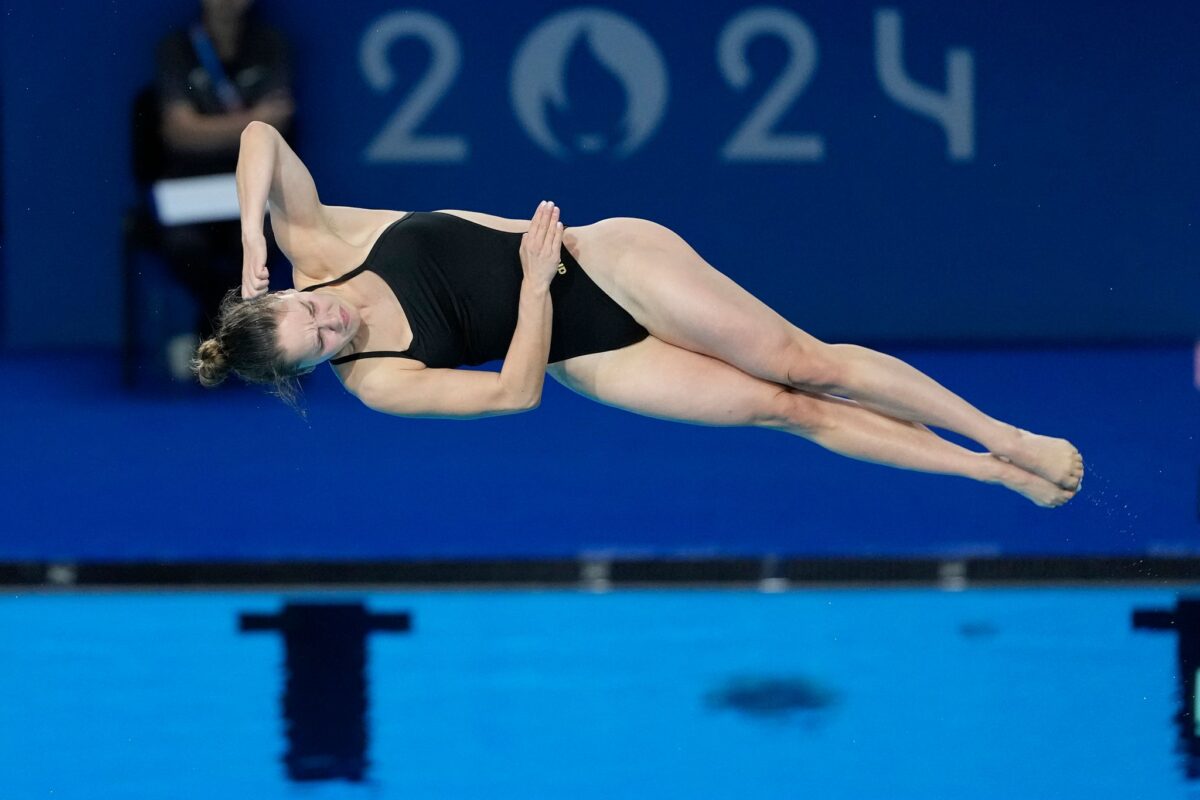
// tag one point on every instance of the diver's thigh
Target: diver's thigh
(657, 379)
(683, 300)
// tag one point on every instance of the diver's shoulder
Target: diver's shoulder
(488, 220)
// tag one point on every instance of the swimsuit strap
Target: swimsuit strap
(370, 353)
(370, 255)
(373, 354)
(356, 271)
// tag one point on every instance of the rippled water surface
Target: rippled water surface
(692, 694)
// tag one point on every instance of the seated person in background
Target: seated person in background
(213, 79)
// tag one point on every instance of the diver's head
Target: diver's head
(274, 338)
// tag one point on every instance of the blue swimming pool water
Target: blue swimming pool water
(690, 694)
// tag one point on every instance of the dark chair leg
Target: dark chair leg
(129, 340)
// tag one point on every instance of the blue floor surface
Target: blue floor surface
(91, 472)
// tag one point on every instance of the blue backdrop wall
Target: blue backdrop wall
(920, 171)
(924, 171)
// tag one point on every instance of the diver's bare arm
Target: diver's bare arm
(467, 394)
(432, 393)
(524, 370)
(460, 393)
(463, 393)
(268, 170)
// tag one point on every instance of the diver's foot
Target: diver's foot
(1034, 487)
(1055, 460)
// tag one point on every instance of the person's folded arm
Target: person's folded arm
(185, 130)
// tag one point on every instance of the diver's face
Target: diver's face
(313, 326)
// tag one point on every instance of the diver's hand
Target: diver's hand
(255, 280)
(541, 245)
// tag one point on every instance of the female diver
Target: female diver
(622, 311)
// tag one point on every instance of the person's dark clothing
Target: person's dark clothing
(260, 68)
(207, 259)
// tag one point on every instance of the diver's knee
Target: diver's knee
(816, 367)
(795, 411)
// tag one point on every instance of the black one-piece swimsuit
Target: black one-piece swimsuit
(459, 284)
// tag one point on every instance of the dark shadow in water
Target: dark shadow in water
(1184, 620)
(977, 630)
(325, 694)
(771, 697)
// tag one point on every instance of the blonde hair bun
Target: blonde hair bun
(211, 364)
